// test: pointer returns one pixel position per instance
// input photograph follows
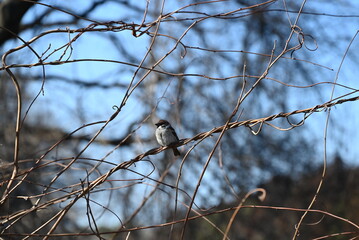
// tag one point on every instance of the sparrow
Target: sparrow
(166, 135)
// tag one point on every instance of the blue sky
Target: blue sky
(68, 106)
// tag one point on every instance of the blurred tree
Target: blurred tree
(339, 196)
(11, 13)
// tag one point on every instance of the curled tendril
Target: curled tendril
(314, 41)
(301, 40)
(115, 107)
(255, 132)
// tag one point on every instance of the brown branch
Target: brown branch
(193, 218)
(236, 124)
(201, 136)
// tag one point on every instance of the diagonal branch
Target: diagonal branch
(127, 164)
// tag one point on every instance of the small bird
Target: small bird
(166, 135)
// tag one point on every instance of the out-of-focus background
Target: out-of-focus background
(91, 78)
